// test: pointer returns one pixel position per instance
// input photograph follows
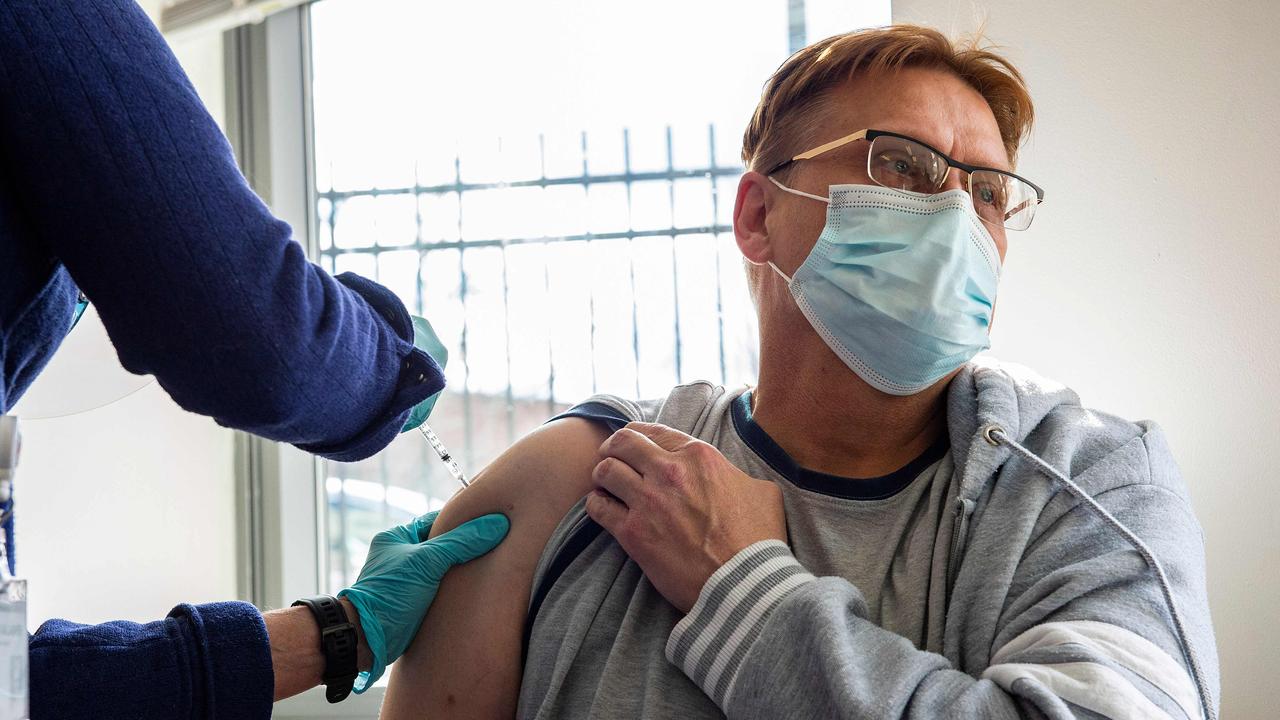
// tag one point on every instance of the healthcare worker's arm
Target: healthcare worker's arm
(203, 661)
(224, 661)
(294, 637)
(122, 175)
(465, 661)
(101, 674)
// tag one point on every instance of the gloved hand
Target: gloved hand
(400, 579)
(425, 339)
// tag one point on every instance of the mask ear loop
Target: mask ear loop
(801, 193)
(780, 273)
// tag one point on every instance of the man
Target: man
(880, 527)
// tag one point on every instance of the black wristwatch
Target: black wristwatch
(338, 642)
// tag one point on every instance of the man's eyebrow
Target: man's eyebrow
(987, 163)
(1002, 167)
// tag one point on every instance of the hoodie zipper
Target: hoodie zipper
(959, 531)
(963, 511)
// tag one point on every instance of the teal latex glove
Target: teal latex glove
(400, 579)
(426, 340)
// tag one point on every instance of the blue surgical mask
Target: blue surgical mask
(900, 287)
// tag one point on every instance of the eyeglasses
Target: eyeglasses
(898, 162)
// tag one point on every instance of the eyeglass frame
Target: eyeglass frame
(870, 135)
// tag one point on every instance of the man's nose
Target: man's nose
(956, 179)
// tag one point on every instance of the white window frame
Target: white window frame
(281, 500)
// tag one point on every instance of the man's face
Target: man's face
(930, 105)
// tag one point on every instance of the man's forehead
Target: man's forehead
(934, 107)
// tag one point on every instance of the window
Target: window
(551, 184)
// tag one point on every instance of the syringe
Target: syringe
(443, 452)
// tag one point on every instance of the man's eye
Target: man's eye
(987, 195)
(898, 165)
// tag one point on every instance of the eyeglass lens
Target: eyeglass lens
(999, 199)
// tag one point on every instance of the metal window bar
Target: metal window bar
(797, 33)
(591, 298)
(675, 263)
(636, 245)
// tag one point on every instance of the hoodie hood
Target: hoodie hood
(986, 393)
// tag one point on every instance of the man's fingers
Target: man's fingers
(619, 478)
(635, 449)
(667, 438)
(469, 540)
(606, 510)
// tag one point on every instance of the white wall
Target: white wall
(127, 510)
(1151, 280)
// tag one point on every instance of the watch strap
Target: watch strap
(338, 643)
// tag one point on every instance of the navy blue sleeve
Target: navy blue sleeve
(586, 530)
(597, 412)
(123, 175)
(200, 663)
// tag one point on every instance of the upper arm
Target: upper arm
(465, 661)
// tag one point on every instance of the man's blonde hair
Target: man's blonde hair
(794, 97)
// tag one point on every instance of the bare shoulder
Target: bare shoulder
(547, 470)
(465, 661)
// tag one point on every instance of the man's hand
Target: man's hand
(679, 508)
(401, 576)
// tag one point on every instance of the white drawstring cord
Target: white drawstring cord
(995, 435)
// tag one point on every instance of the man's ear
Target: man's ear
(750, 209)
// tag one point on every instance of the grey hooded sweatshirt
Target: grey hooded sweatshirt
(978, 583)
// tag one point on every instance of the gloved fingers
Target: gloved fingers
(422, 526)
(470, 540)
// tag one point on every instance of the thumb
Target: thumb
(471, 539)
(422, 525)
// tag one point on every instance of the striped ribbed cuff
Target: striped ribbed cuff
(710, 642)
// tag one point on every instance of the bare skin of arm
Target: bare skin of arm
(465, 660)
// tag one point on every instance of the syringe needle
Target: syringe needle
(443, 452)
